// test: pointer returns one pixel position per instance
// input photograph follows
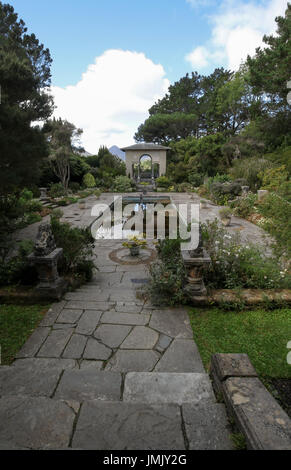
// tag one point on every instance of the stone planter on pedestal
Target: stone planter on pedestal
(134, 250)
(226, 221)
(45, 258)
(195, 261)
(195, 286)
(43, 193)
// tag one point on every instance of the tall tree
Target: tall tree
(24, 78)
(62, 137)
(270, 75)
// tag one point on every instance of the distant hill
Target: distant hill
(117, 152)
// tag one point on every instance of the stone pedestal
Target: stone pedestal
(262, 193)
(43, 193)
(194, 265)
(245, 190)
(51, 286)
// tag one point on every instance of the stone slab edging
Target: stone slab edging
(257, 414)
(247, 296)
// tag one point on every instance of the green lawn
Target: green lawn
(17, 322)
(262, 334)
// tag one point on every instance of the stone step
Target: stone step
(103, 425)
(32, 379)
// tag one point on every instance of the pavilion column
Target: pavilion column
(138, 172)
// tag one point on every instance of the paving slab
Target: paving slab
(33, 344)
(181, 356)
(43, 363)
(128, 307)
(89, 384)
(69, 316)
(163, 343)
(112, 335)
(178, 388)
(96, 350)
(206, 426)
(31, 381)
(86, 364)
(35, 423)
(172, 322)
(124, 294)
(84, 295)
(88, 322)
(141, 337)
(133, 361)
(127, 426)
(52, 314)
(75, 347)
(55, 343)
(89, 305)
(125, 318)
(110, 280)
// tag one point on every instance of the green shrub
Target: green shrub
(195, 179)
(285, 190)
(235, 265)
(245, 206)
(277, 213)
(77, 244)
(75, 187)
(223, 192)
(167, 282)
(163, 182)
(56, 190)
(26, 194)
(167, 274)
(97, 193)
(184, 187)
(225, 212)
(273, 178)
(250, 169)
(17, 270)
(89, 181)
(122, 184)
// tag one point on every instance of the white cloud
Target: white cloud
(237, 30)
(199, 57)
(112, 98)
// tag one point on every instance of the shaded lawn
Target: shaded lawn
(261, 334)
(17, 323)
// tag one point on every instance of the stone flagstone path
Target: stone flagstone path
(106, 370)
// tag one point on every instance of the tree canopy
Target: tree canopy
(25, 78)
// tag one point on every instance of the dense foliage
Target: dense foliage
(24, 77)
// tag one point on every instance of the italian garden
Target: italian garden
(113, 336)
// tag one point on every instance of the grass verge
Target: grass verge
(17, 322)
(261, 334)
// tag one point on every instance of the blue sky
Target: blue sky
(112, 59)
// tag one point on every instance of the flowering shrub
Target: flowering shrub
(167, 274)
(245, 205)
(234, 265)
(277, 221)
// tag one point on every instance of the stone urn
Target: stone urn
(225, 216)
(226, 221)
(134, 250)
(203, 204)
(82, 204)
